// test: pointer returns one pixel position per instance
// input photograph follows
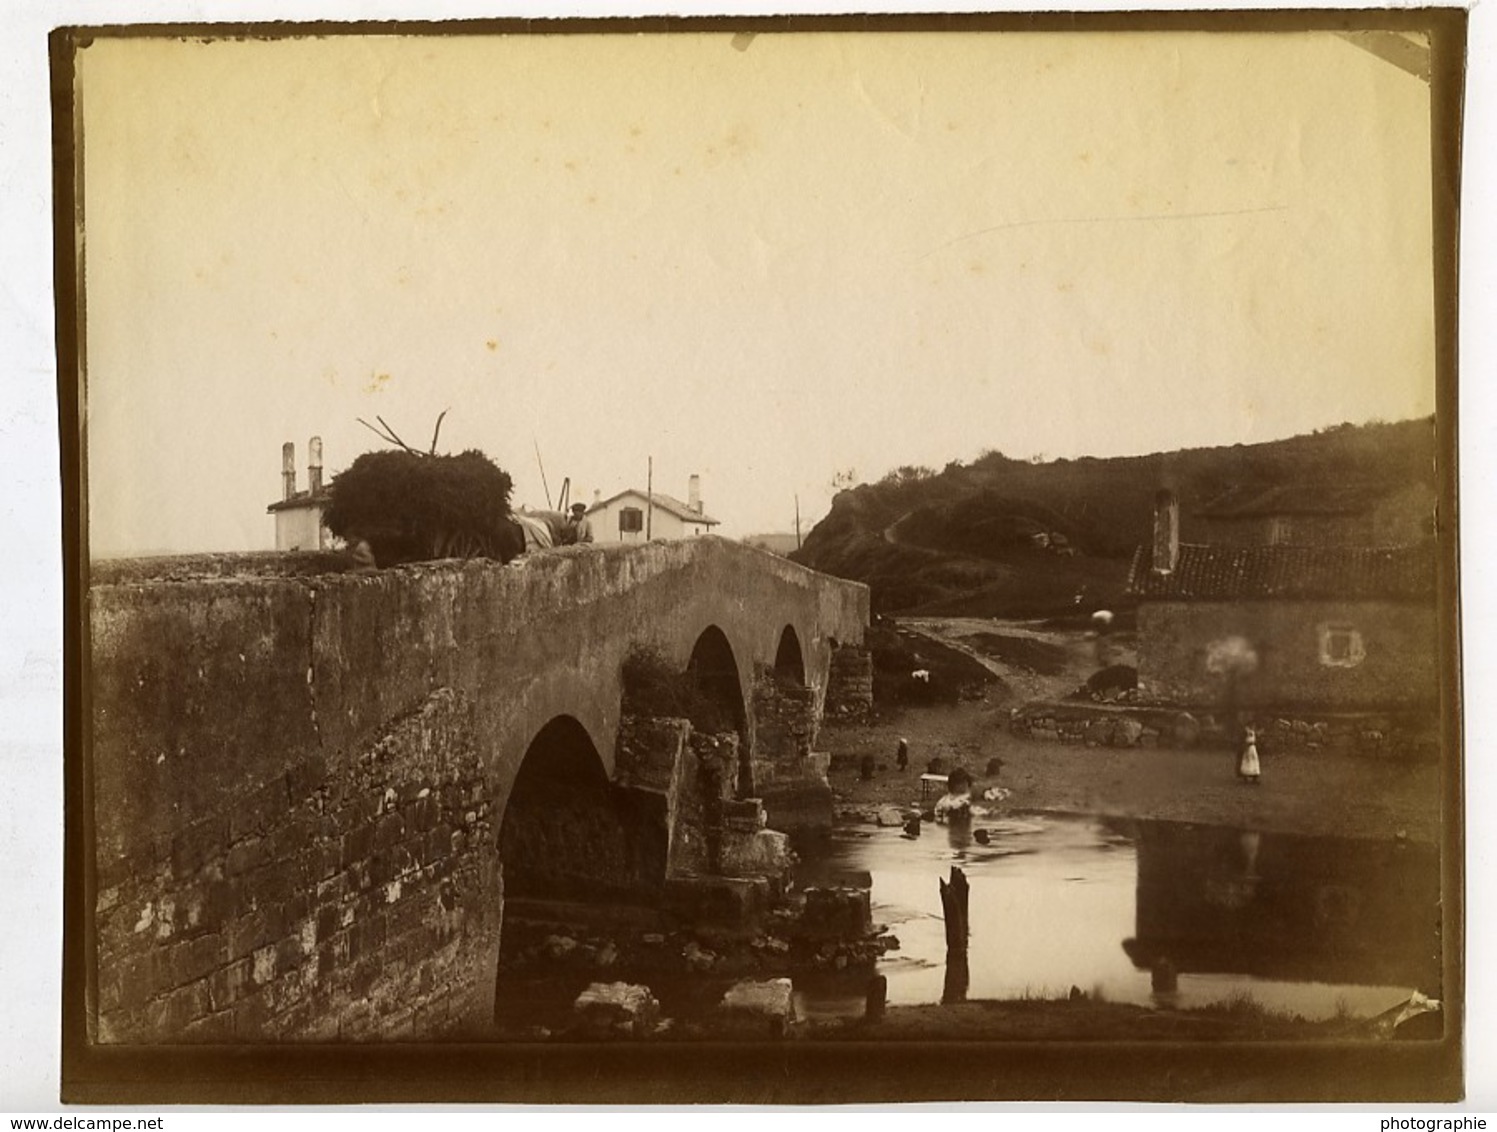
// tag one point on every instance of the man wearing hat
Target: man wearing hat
(581, 529)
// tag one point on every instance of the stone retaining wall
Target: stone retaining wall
(1393, 734)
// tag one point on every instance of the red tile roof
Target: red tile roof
(1246, 573)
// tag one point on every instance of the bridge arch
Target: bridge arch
(716, 678)
(566, 835)
(789, 658)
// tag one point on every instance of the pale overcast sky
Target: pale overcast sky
(765, 262)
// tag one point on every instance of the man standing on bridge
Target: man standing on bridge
(581, 530)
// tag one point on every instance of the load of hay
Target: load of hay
(413, 506)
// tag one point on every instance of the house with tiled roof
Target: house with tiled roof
(1281, 627)
(1331, 514)
(638, 516)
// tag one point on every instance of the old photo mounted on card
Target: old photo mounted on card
(765, 560)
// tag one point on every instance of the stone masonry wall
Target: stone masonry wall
(327, 902)
(849, 688)
(1406, 735)
(1399, 669)
(785, 719)
(789, 777)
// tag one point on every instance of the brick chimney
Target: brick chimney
(1166, 531)
(314, 465)
(288, 470)
(694, 493)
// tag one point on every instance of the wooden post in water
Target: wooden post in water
(954, 909)
(876, 998)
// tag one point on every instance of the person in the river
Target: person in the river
(956, 803)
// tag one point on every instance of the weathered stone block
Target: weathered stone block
(769, 1003)
(609, 1007)
(732, 903)
(837, 913)
(804, 804)
(764, 852)
(198, 844)
(192, 959)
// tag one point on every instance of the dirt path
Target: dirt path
(1320, 794)
(1033, 662)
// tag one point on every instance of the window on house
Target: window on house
(631, 519)
(1341, 646)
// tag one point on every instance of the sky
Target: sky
(764, 260)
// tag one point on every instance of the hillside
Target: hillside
(1012, 538)
(776, 542)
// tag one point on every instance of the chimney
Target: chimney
(694, 493)
(288, 470)
(597, 496)
(314, 465)
(1166, 531)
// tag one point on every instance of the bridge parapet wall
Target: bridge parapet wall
(266, 862)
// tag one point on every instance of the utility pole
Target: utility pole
(538, 460)
(797, 520)
(650, 499)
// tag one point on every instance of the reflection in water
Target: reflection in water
(1291, 908)
(1143, 912)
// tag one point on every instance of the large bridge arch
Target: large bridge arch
(564, 835)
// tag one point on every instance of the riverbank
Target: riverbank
(1085, 1019)
(1322, 793)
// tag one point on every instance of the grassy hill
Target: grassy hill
(1003, 537)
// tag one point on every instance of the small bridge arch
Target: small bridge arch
(717, 679)
(789, 660)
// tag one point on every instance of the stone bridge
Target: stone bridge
(306, 785)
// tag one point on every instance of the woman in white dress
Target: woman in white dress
(1247, 763)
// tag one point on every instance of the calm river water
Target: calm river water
(1307, 926)
(1310, 926)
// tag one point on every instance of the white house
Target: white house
(633, 516)
(298, 514)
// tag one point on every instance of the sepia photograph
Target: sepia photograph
(840, 559)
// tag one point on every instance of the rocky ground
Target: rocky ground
(1319, 794)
